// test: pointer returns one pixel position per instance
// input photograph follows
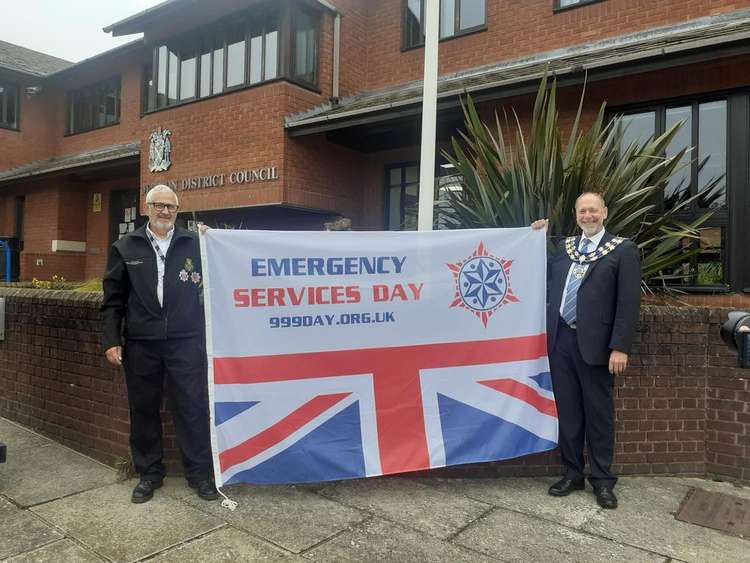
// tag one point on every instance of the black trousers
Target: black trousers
(183, 362)
(583, 394)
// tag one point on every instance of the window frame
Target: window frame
(440, 173)
(215, 39)
(733, 216)
(402, 166)
(556, 7)
(94, 91)
(4, 96)
(457, 31)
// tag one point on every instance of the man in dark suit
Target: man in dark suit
(153, 285)
(592, 314)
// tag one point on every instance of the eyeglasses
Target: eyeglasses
(162, 206)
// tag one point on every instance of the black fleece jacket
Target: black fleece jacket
(130, 290)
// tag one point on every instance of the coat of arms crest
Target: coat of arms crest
(160, 150)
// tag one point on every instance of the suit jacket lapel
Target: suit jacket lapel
(605, 239)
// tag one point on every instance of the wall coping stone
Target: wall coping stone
(89, 299)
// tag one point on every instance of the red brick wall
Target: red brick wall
(517, 28)
(34, 139)
(681, 408)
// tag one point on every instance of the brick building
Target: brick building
(282, 114)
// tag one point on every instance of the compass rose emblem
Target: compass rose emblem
(482, 283)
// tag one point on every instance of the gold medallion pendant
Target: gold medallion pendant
(579, 272)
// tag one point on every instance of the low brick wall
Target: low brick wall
(682, 407)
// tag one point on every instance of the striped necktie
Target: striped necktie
(569, 310)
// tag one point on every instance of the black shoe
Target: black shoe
(144, 490)
(566, 486)
(605, 497)
(205, 489)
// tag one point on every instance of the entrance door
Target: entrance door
(123, 213)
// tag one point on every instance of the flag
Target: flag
(347, 355)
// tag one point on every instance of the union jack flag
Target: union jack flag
(318, 416)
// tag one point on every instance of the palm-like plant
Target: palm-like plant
(541, 176)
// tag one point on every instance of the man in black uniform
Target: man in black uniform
(153, 283)
(592, 315)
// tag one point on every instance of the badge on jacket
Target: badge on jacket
(188, 272)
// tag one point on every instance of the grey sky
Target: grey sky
(69, 29)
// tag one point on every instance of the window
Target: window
(563, 4)
(94, 106)
(243, 52)
(457, 17)
(402, 195)
(304, 47)
(8, 106)
(703, 171)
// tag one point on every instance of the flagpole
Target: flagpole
(429, 115)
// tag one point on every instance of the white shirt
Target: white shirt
(593, 244)
(163, 246)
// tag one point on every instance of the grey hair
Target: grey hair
(158, 189)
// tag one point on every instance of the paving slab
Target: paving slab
(527, 495)
(226, 544)
(645, 518)
(441, 513)
(175, 487)
(378, 540)
(48, 472)
(63, 550)
(295, 519)
(7, 508)
(22, 532)
(107, 522)
(18, 438)
(509, 536)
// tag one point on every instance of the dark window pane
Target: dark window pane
(205, 78)
(161, 82)
(712, 153)
(471, 14)
(219, 68)
(236, 58)
(411, 207)
(174, 65)
(272, 48)
(8, 106)
(411, 174)
(305, 47)
(394, 207)
(188, 68)
(395, 177)
(678, 187)
(637, 129)
(147, 84)
(111, 104)
(447, 18)
(413, 23)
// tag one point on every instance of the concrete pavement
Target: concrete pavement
(58, 506)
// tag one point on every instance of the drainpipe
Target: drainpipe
(336, 56)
